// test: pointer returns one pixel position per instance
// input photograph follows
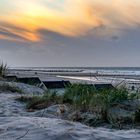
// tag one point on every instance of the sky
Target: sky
(95, 33)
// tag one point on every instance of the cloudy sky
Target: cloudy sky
(70, 32)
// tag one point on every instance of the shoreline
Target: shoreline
(74, 74)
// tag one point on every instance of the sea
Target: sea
(99, 70)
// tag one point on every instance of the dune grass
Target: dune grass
(40, 102)
(83, 99)
(8, 88)
(3, 68)
(88, 99)
(80, 97)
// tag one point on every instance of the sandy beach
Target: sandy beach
(128, 78)
(18, 123)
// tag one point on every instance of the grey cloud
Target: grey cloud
(89, 50)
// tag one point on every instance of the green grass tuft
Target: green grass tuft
(87, 97)
(3, 69)
(40, 102)
(7, 88)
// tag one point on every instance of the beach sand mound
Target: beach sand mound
(35, 128)
(18, 124)
(21, 88)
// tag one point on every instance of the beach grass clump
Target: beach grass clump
(87, 104)
(87, 97)
(8, 88)
(3, 69)
(41, 102)
(80, 97)
(33, 102)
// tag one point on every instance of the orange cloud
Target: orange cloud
(32, 17)
(71, 17)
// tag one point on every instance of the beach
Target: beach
(116, 76)
(16, 122)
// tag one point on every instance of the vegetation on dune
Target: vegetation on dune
(40, 102)
(3, 69)
(7, 88)
(88, 105)
(87, 97)
(80, 97)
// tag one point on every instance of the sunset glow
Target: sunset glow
(68, 17)
(70, 32)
